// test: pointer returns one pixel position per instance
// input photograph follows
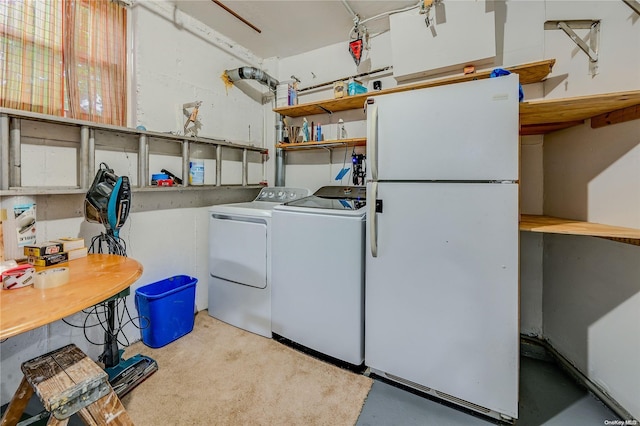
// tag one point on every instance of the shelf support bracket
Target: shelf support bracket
(633, 4)
(591, 50)
(4, 152)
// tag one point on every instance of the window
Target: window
(64, 58)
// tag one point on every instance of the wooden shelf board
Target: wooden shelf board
(529, 73)
(323, 144)
(617, 116)
(555, 225)
(542, 116)
(543, 129)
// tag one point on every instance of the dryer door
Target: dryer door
(238, 250)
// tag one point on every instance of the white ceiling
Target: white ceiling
(289, 27)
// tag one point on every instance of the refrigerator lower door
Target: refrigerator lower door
(442, 299)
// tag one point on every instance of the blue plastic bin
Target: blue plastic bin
(166, 309)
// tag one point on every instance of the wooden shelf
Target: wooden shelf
(544, 116)
(537, 117)
(529, 73)
(555, 225)
(335, 143)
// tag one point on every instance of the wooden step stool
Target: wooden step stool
(67, 382)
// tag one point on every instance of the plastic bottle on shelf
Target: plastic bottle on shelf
(342, 132)
(306, 137)
(196, 165)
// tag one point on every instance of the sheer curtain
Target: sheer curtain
(65, 58)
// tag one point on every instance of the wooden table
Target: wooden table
(92, 280)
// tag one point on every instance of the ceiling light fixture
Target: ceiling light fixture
(244, 21)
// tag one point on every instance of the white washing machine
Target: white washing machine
(240, 259)
(318, 272)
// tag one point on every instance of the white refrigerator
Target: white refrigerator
(442, 278)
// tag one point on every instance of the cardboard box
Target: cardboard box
(77, 253)
(70, 243)
(49, 259)
(338, 89)
(48, 247)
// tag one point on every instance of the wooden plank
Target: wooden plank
(63, 379)
(106, 411)
(529, 73)
(573, 109)
(542, 129)
(617, 116)
(323, 144)
(555, 225)
(92, 279)
(18, 404)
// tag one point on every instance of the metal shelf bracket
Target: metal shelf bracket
(633, 4)
(568, 26)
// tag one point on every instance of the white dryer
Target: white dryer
(318, 272)
(240, 259)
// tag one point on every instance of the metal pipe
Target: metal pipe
(244, 21)
(91, 156)
(4, 152)
(280, 163)
(345, 78)
(84, 158)
(348, 7)
(253, 73)
(245, 168)
(143, 161)
(15, 177)
(280, 153)
(185, 163)
(218, 165)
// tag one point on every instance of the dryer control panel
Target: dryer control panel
(282, 194)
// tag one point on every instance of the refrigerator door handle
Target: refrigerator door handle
(373, 219)
(372, 141)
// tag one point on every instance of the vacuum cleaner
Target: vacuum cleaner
(108, 202)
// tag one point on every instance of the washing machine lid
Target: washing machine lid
(333, 198)
(341, 191)
(315, 202)
(249, 209)
(263, 204)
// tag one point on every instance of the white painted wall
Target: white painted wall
(175, 60)
(591, 289)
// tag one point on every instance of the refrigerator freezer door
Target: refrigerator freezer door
(462, 132)
(441, 307)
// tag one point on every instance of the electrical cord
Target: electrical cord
(359, 168)
(115, 245)
(98, 315)
(381, 15)
(100, 312)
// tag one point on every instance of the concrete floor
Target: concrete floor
(548, 396)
